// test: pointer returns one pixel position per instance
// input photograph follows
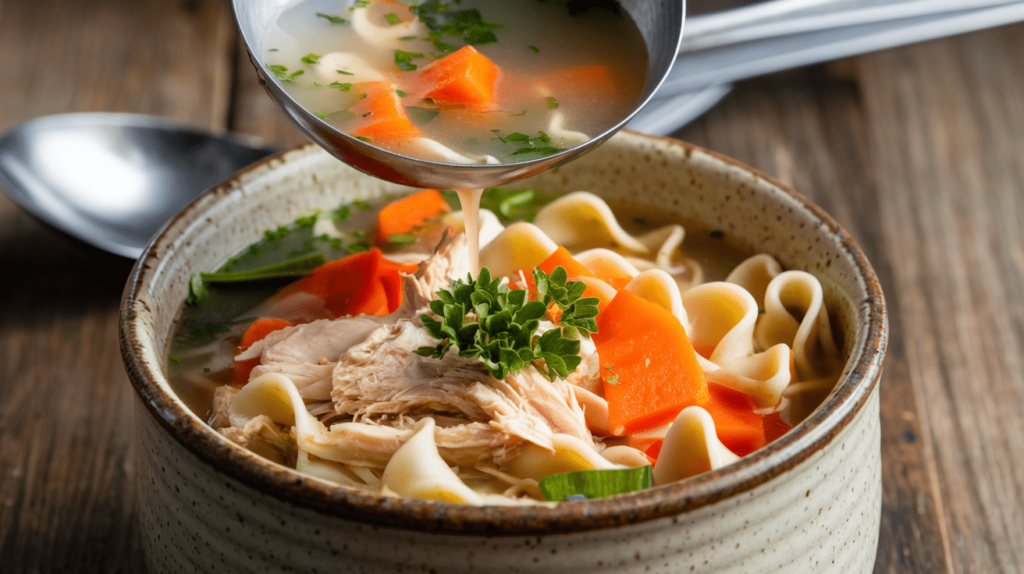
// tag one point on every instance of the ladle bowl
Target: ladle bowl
(660, 23)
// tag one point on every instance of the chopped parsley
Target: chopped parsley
(446, 20)
(282, 73)
(344, 73)
(538, 145)
(401, 239)
(501, 333)
(310, 58)
(717, 233)
(357, 247)
(392, 18)
(332, 19)
(360, 4)
(343, 86)
(362, 205)
(533, 49)
(403, 60)
(341, 214)
(552, 103)
(401, 93)
(308, 220)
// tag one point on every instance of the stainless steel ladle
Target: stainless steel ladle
(660, 23)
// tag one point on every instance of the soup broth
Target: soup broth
(737, 350)
(529, 78)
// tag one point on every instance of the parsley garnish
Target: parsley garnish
(538, 145)
(407, 38)
(341, 214)
(362, 205)
(343, 72)
(403, 60)
(310, 58)
(332, 19)
(361, 4)
(356, 247)
(445, 20)
(282, 73)
(346, 86)
(502, 335)
(401, 239)
(533, 49)
(401, 93)
(552, 103)
(392, 18)
(522, 113)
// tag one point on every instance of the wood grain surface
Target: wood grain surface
(917, 151)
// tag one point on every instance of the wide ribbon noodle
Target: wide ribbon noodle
(364, 410)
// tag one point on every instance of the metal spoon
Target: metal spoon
(660, 23)
(113, 180)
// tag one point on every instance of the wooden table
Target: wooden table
(918, 152)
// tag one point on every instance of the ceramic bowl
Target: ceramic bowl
(808, 502)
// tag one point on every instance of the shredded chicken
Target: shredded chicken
(260, 435)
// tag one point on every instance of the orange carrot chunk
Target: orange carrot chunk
(406, 214)
(774, 427)
(256, 332)
(353, 285)
(739, 428)
(463, 79)
(649, 367)
(380, 116)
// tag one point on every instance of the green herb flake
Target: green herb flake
(361, 204)
(308, 220)
(357, 247)
(403, 60)
(401, 93)
(206, 369)
(321, 115)
(445, 20)
(344, 73)
(401, 239)
(533, 49)
(310, 58)
(552, 103)
(364, 139)
(392, 18)
(282, 73)
(341, 214)
(332, 19)
(362, 3)
(717, 233)
(197, 292)
(407, 38)
(173, 359)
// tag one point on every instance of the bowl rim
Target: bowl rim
(856, 384)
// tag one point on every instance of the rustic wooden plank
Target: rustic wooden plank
(67, 488)
(945, 124)
(807, 129)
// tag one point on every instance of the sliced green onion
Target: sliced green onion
(595, 483)
(299, 267)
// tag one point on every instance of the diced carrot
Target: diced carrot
(649, 367)
(364, 283)
(774, 427)
(654, 450)
(463, 79)
(406, 214)
(256, 332)
(380, 115)
(739, 428)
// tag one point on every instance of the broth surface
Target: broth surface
(566, 73)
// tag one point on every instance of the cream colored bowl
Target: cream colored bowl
(809, 502)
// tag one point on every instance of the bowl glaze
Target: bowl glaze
(808, 502)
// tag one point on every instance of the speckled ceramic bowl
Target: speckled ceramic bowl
(809, 502)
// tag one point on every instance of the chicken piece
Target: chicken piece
(260, 435)
(221, 415)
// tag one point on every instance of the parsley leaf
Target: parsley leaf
(445, 20)
(502, 336)
(533, 49)
(403, 60)
(282, 73)
(392, 18)
(332, 19)
(552, 103)
(310, 58)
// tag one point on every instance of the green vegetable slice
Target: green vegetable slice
(298, 267)
(595, 483)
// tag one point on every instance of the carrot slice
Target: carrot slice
(649, 367)
(406, 214)
(353, 285)
(463, 79)
(774, 427)
(739, 428)
(381, 114)
(256, 332)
